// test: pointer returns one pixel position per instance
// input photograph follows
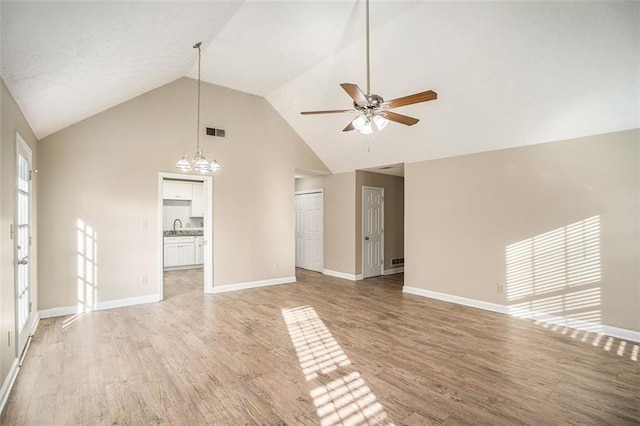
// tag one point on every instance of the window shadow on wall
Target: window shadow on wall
(555, 278)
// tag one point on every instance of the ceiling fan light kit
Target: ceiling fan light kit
(371, 107)
(197, 161)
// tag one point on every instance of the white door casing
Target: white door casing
(207, 248)
(299, 202)
(22, 244)
(372, 231)
(309, 230)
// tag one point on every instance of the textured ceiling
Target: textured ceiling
(507, 73)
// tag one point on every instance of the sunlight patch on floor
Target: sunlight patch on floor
(346, 400)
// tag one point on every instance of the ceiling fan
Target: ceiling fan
(371, 107)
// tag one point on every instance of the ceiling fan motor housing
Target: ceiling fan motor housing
(374, 102)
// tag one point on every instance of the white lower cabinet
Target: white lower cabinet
(179, 251)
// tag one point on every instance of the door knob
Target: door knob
(23, 262)
(366, 238)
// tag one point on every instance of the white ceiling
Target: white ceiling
(507, 73)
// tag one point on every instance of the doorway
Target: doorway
(22, 244)
(372, 231)
(310, 229)
(185, 235)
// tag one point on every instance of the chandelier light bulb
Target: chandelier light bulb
(214, 166)
(183, 163)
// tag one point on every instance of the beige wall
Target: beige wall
(462, 213)
(12, 120)
(339, 218)
(393, 215)
(104, 171)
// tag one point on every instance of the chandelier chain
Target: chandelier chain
(198, 160)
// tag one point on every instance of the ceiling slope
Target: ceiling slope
(507, 74)
(66, 61)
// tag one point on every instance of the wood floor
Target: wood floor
(322, 351)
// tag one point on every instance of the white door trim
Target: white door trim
(208, 228)
(22, 145)
(381, 226)
(317, 191)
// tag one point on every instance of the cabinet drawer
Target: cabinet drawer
(177, 240)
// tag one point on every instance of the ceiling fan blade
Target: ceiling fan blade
(399, 118)
(349, 127)
(331, 111)
(429, 95)
(356, 94)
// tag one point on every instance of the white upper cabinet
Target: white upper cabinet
(174, 190)
(197, 202)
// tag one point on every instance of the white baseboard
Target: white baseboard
(59, 312)
(253, 284)
(620, 333)
(35, 323)
(107, 304)
(8, 384)
(393, 271)
(494, 307)
(342, 275)
(15, 367)
(131, 301)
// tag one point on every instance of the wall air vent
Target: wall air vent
(211, 131)
(397, 261)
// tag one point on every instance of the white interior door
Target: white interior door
(372, 231)
(22, 241)
(309, 231)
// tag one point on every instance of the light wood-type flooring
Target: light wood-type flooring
(321, 351)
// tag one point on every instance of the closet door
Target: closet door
(309, 231)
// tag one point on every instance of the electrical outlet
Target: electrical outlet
(144, 279)
(143, 224)
(500, 287)
(275, 266)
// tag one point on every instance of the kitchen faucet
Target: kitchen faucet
(174, 224)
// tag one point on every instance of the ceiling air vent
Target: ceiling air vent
(215, 132)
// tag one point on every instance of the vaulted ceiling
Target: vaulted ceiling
(507, 73)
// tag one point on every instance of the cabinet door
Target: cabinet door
(185, 191)
(188, 253)
(169, 190)
(197, 202)
(172, 190)
(171, 255)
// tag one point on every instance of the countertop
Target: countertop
(183, 233)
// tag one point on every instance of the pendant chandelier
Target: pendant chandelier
(197, 161)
